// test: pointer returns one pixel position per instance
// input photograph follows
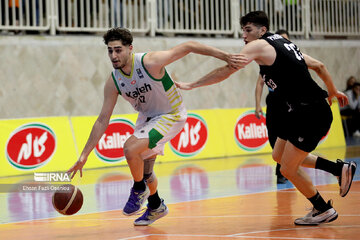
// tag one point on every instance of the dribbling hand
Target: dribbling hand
(78, 166)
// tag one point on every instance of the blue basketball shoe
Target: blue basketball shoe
(136, 201)
(151, 215)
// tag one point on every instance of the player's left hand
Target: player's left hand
(341, 97)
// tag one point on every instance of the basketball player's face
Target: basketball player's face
(252, 32)
(119, 54)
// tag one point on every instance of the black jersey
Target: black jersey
(288, 76)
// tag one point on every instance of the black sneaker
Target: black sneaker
(346, 177)
(281, 179)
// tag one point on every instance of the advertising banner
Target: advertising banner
(200, 138)
(242, 132)
(55, 143)
(36, 145)
(109, 150)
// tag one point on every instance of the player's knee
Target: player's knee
(287, 172)
(127, 153)
(129, 150)
(276, 157)
(149, 177)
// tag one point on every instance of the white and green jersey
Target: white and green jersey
(148, 95)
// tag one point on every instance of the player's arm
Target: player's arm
(258, 92)
(156, 61)
(325, 76)
(100, 125)
(250, 52)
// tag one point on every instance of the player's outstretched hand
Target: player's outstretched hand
(183, 85)
(237, 61)
(78, 166)
(341, 97)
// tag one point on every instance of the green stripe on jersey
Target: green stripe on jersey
(154, 138)
(112, 74)
(166, 80)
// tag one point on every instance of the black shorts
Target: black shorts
(274, 112)
(305, 124)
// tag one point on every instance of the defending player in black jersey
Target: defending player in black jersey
(273, 117)
(308, 117)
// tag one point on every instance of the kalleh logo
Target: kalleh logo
(250, 132)
(110, 147)
(192, 138)
(30, 146)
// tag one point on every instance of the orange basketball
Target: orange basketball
(68, 199)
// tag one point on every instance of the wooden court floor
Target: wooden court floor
(239, 200)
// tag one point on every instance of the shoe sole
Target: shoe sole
(351, 170)
(327, 220)
(141, 206)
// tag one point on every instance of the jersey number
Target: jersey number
(142, 99)
(292, 47)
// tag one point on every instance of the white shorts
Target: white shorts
(159, 130)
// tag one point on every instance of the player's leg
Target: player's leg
(291, 160)
(273, 113)
(278, 149)
(156, 207)
(133, 148)
(163, 129)
(344, 171)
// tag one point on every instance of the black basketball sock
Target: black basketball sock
(154, 201)
(328, 166)
(319, 203)
(139, 186)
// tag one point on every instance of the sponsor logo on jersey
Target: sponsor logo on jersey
(30, 146)
(192, 138)
(250, 132)
(135, 94)
(139, 73)
(110, 147)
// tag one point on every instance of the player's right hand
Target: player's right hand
(258, 112)
(78, 166)
(238, 61)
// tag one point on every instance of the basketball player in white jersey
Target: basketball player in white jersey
(142, 80)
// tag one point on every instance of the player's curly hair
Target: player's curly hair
(117, 33)
(258, 18)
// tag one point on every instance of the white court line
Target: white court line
(295, 228)
(220, 236)
(135, 237)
